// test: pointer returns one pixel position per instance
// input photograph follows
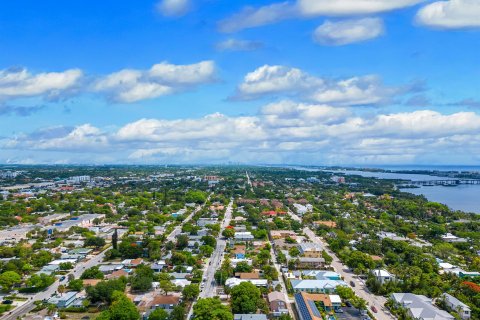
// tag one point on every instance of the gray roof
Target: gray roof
(454, 301)
(249, 317)
(421, 307)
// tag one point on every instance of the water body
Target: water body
(462, 197)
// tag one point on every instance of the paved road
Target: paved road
(360, 288)
(249, 182)
(216, 259)
(282, 283)
(77, 272)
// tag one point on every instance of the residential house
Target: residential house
(232, 282)
(250, 317)
(244, 236)
(458, 306)
(310, 249)
(64, 300)
(308, 305)
(382, 276)
(166, 303)
(282, 234)
(420, 307)
(313, 263)
(316, 286)
(277, 303)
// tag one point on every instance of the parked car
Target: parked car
(62, 278)
(352, 283)
(374, 309)
(339, 310)
(348, 303)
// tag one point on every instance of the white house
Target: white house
(382, 276)
(461, 308)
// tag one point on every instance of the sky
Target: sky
(314, 82)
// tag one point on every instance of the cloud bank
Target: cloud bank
(282, 132)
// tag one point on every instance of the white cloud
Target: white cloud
(161, 79)
(251, 17)
(268, 81)
(238, 45)
(283, 132)
(452, 14)
(348, 31)
(20, 83)
(174, 8)
(351, 7)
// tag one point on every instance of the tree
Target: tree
(167, 286)
(92, 273)
(142, 279)
(115, 239)
(191, 291)
(211, 309)
(178, 313)
(75, 284)
(104, 290)
(65, 266)
(121, 309)
(228, 233)
(96, 242)
(61, 289)
(182, 241)
(245, 298)
(243, 267)
(294, 252)
(158, 314)
(206, 250)
(209, 241)
(8, 279)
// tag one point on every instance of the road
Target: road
(282, 283)
(216, 259)
(248, 180)
(360, 288)
(214, 262)
(77, 272)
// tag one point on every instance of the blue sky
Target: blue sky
(212, 81)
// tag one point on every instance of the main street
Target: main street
(215, 261)
(360, 288)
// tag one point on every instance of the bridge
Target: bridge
(447, 182)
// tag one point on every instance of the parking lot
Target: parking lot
(349, 313)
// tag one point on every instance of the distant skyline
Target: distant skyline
(315, 82)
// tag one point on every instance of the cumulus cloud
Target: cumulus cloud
(348, 31)
(251, 17)
(282, 132)
(451, 14)
(130, 85)
(174, 8)
(267, 81)
(20, 83)
(238, 45)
